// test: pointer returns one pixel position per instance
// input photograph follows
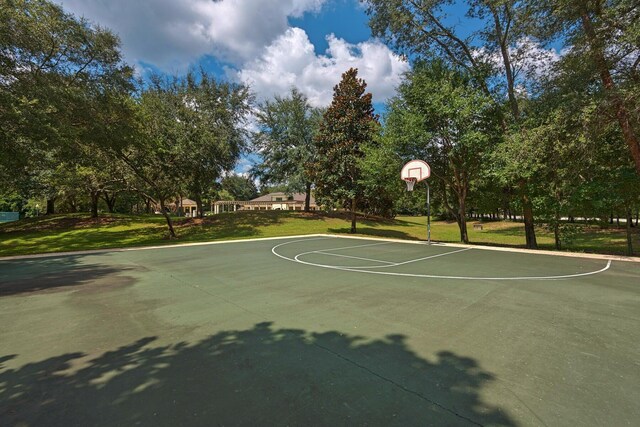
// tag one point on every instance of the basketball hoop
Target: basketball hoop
(415, 171)
(410, 183)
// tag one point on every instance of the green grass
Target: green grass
(79, 232)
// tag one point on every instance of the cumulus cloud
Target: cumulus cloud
(171, 34)
(252, 36)
(529, 58)
(290, 61)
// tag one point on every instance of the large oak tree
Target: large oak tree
(285, 141)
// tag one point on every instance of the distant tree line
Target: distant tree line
(509, 130)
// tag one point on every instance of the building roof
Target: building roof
(297, 197)
(181, 202)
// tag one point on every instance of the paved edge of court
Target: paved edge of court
(260, 239)
(144, 248)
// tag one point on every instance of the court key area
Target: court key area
(319, 330)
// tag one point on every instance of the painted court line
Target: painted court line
(350, 247)
(392, 264)
(430, 276)
(325, 251)
(179, 245)
(433, 256)
(324, 236)
(500, 248)
(354, 257)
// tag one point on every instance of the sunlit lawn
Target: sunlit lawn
(591, 238)
(79, 232)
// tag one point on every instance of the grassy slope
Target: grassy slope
(79, 232)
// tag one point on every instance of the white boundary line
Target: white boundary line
(323, 235)
(498, 248)
(353, 257)
(325, 251)
(145, 248)
(391, 264)
(430, 276)
(351, 247)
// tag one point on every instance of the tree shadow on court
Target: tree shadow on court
(257, 376)
(58, 273)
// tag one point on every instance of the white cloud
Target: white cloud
(530, 60)
(291, 61)
(172, 34)
(533, 60)
(243, 166)
(253, 36)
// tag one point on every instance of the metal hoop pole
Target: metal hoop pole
(428, 216)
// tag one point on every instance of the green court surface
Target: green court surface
(319, 330)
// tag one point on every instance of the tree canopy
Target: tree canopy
(348, 124)
(286, 142)
(510, 127)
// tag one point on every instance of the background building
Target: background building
(268, 202)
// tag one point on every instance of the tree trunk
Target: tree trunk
(51, 206)
(198, 200)
(73, 206)
(629, 235)
(556, 231)
(503, 42)
(147, 207)
(597, 50)
(502, 38)
(611, 218)
(462, 219)
(455, 214)
(307, 198)
(109, 200)
(95, 198)
(353, 216)
(618, 221)
(529, 230)
(172, 233)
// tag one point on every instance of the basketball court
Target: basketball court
(319, 330)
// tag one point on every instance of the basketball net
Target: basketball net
(410, 183)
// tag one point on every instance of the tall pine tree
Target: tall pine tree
(348, 124)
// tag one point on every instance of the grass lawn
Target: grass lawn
(79, 232)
